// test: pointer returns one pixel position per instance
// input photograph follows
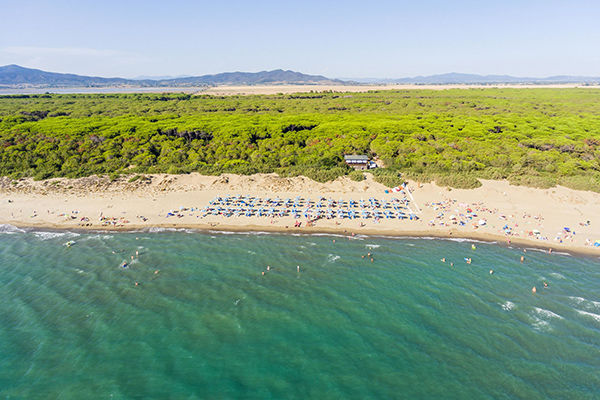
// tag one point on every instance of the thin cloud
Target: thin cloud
(34, 51)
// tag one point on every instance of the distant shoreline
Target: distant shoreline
(233, 90)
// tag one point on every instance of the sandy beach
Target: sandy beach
(496, 211)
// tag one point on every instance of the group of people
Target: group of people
(451, 213)
(469, 260)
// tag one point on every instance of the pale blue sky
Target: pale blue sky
(384, 39)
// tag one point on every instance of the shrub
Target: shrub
(357, 176)
(458, 181)
(387, 176)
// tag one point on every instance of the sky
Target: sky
(338, 39)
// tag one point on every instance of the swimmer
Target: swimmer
(546, 284)
(131, 258)
(268, 268)
(533, 290)
(549, 251)
(452, 264)
(333, 240)
(124, 264)
(137, 253)
(368, 254)
(522, 259)
(443, 259)
(137, 284)
(371, 260)
(363, 256)
(298, 268)
(156, 272)
(263, 272)
(491, 271)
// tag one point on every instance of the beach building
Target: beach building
(359, 161)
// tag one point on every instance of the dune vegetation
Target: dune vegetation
(536, 137)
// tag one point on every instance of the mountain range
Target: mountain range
(15, 76)
(458, 78)
(12, 76)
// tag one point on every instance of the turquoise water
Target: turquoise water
(73, 325)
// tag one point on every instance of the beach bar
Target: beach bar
(357, 161)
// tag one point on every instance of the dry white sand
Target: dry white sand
(63, 203)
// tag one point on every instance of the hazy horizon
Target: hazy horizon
(360, 79)
(383, 40)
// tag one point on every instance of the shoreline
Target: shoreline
(558, 218)
(487, 238)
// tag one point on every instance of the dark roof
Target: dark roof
(356, 158)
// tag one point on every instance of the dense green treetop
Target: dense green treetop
(537, 137)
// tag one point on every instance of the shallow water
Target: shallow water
(73, 324)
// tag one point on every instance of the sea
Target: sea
(192, 316)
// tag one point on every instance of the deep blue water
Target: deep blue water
(73, 324)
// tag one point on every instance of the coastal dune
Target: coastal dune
(496, 211)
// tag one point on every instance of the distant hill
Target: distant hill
(17, 76)
(472, 79)
(458, 78)
(252, 78)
